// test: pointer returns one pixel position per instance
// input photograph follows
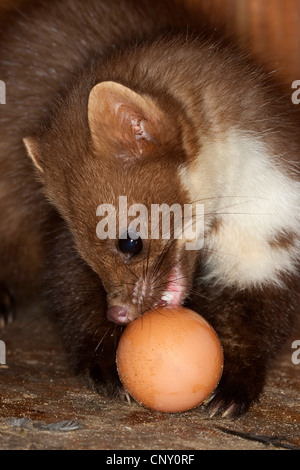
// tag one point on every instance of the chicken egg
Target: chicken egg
(170, 359)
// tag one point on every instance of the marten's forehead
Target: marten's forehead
(147, 184)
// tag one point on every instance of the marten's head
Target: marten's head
(112, 165)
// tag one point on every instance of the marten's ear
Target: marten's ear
(33, 150)
(124, 121)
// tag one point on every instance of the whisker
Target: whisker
(101, 340)
(219, 254)
(33, 321)
(162, 284)
(161, 258)
(148, 258)
(225, 197)
(131, 272)
(125, 283)
(196, 292)
(168, 269)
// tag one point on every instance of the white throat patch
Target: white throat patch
(254, 203)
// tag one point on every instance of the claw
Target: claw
(124, 393)
(215, 409)
(230, 412)
(128, 398)
(209, 399)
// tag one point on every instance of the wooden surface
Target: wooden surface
(43, 406)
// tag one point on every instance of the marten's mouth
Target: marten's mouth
(123, 313)
(175, 292)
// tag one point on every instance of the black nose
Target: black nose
(118, 315)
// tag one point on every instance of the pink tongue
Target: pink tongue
(176, 287)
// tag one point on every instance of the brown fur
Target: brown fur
(283, 241)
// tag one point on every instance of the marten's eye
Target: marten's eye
(130, 242)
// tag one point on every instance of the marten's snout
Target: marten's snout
(118, 315)
(159, 277)
(145, 294)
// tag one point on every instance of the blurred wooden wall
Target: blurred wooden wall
(271, 28)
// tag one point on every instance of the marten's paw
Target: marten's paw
(105, 381)
(221, 405)
(233, 397)
(7, 307)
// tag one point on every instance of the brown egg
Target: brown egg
(170, 359)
